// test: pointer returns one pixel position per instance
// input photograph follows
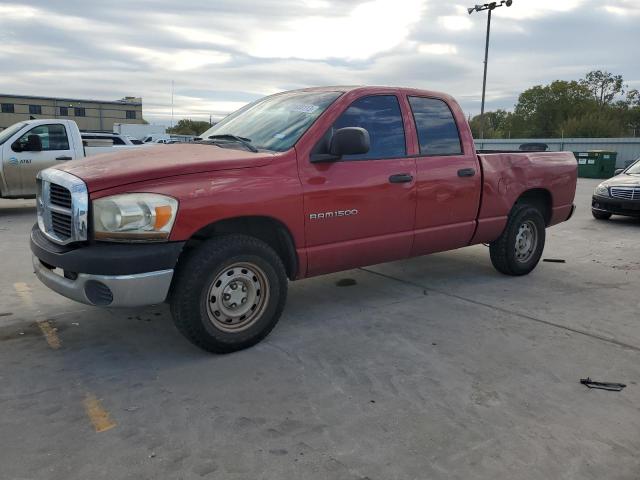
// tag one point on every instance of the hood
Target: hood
(161, 161)
(623, 181)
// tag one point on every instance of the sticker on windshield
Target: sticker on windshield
(304, 108)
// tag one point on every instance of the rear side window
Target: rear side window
(437, 130)
(380, 115)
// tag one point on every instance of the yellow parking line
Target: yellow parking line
(48, 330)
(50, 334)
(24, 292)
(97, 414)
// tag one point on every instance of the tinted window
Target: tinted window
(380, 115)
(131, 114)
(7, 108)
(64, 111)
(79, 112)
(437, 130)
(118, 141)
(35, 109)
(53, 137)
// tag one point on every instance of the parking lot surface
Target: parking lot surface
(430, 368)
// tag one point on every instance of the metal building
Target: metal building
(628, 148)
(94, 115)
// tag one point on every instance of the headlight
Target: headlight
(602, 190)
(134, 217)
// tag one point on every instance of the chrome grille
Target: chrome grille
(61, 225)
(63, 205)
(626, 193)
(60, 196)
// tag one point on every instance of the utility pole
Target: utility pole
(479, 8)
(171, 103)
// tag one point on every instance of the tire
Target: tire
(229, 293)
(598, 215)
(518, 250)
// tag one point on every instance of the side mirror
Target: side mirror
(618, 171)
(349, 141)
(34, 144)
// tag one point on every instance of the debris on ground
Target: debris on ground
(612, 387)
(554, 260)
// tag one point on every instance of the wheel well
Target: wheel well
(269, 230)
(540, 198)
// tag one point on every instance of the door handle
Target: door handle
(401, 178)
(466, 172)
(64, 158)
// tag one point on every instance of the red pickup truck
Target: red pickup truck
(294, 185)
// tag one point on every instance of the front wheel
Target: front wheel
(518, 250)
(229, 293)
(598, 215)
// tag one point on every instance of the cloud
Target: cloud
(225, 53)
(368, 29)
(438, 49)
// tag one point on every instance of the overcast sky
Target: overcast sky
(224, 53)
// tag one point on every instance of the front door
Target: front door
(360, 210)
(25, 165)
(448, 183)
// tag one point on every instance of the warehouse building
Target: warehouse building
(95, 115)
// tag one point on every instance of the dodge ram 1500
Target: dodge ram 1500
(294, 185)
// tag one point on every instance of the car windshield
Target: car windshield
(276, 122)
(7, 133)
(634, 169)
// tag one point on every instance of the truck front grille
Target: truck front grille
(626, 193)
(61, 225)
(58, 195)
(63, 206)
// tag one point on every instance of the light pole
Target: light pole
(479, 8)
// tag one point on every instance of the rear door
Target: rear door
(56, 149)
(360, 210)
(448, 182)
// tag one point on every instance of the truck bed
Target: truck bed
(507, 175)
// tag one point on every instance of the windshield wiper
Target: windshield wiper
(234, 138)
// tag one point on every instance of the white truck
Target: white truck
(30, 146)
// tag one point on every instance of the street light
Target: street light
(479, 8)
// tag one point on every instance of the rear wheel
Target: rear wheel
(518, 250)
(229, 293)
(598, 215)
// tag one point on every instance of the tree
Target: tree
(604, 86)
(497, 124)
(593, 125)
(542, 108)
(189, 127)
(595, 106)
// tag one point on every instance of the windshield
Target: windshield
(634, 169)
(277, 122)
(7, 133)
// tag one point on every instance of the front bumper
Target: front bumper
(108, 290)
(107, 275)
(616, 206)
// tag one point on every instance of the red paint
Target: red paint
(437, 211)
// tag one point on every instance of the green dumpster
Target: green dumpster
(596, 163)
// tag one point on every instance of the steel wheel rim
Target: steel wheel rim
(526, 241)
(237, 297)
